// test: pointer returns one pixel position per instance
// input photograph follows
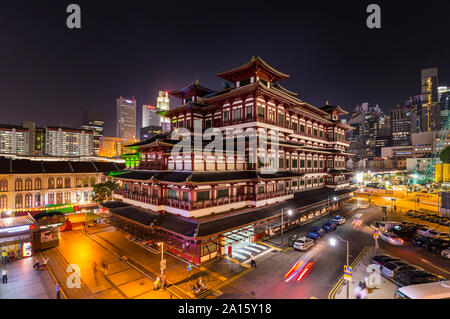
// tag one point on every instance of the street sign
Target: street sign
(189, 267)
(347, 272)
(163, 264)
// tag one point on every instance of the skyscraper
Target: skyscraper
(162, 104)
(430, 108)
(149, 116)
(444, 104)
(126, 119)
(93, 120)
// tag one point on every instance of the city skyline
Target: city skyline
(354, 63)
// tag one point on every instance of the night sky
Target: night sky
(51, 74)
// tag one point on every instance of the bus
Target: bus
(434, 290)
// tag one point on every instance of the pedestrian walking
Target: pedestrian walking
(94, 269)
(4, 257)
(58, 292)
(4, 276)
(252, 260)
(105, 266)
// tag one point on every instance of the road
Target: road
(268, 281)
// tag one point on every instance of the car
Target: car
(405, 233)
(380, 260)
(326, 227)
(423, 230)
(316, 233)
(338, 219)
(446, 253)
(292, 239)
(415, 277)
(435, 219)
(388, 269)
(444, 221)
(331, 224)
(425, 216)
(436, 245)
(391, 238)
(437, 234)
(303, 243)
(419, 240)
(416, 214)
(409, 212)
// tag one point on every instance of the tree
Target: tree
(103, 191)
(445, 155)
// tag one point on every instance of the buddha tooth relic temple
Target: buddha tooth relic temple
(200, 202)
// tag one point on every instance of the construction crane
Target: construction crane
(440, 145)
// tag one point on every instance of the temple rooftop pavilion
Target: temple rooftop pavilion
(222, 197)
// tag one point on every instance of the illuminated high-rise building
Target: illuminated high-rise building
(430, 108)
(126, 119)
(444, 103)
(93, 120)
(162, 104)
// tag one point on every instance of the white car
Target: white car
(303, 243)
(391, 238)
(423, 230)
(389, 269)
(437, 234)
(338, 219)
(446, 253)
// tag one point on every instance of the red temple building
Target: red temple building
(201, 203)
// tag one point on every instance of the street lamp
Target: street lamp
(328, 200)
(282, 223)
(163, 263)
(333, 242)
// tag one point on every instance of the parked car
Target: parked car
(444, 221)
(435, 219)
(405, 233)
(303, 243)
(419, 240)
(425, 216)
(423, 230)
(416, 214)
(331, 224)
(446, 253)
(316, 232)
(437, 234)
(436, 245)
(326, 227)
(415, 277)
(389, 268)
(391, 238)
(338, 219)
(380, 260)
(409, 212)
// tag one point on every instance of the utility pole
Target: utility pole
(282, 213)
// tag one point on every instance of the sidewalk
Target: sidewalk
(121, 281)
(148, 260)
(387, 288)
(26, 283)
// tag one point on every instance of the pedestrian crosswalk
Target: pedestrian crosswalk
(242, 253)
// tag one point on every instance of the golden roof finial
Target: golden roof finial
(253, 59)
(326, 103)
(196, 82)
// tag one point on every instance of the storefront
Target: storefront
(16, 236)
(48, 232)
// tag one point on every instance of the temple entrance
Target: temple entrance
(240, 244)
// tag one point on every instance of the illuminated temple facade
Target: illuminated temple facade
(311, 154)
(220, 185)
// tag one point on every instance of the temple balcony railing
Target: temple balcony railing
(219, 201)
(152, 166)
(271, 195)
